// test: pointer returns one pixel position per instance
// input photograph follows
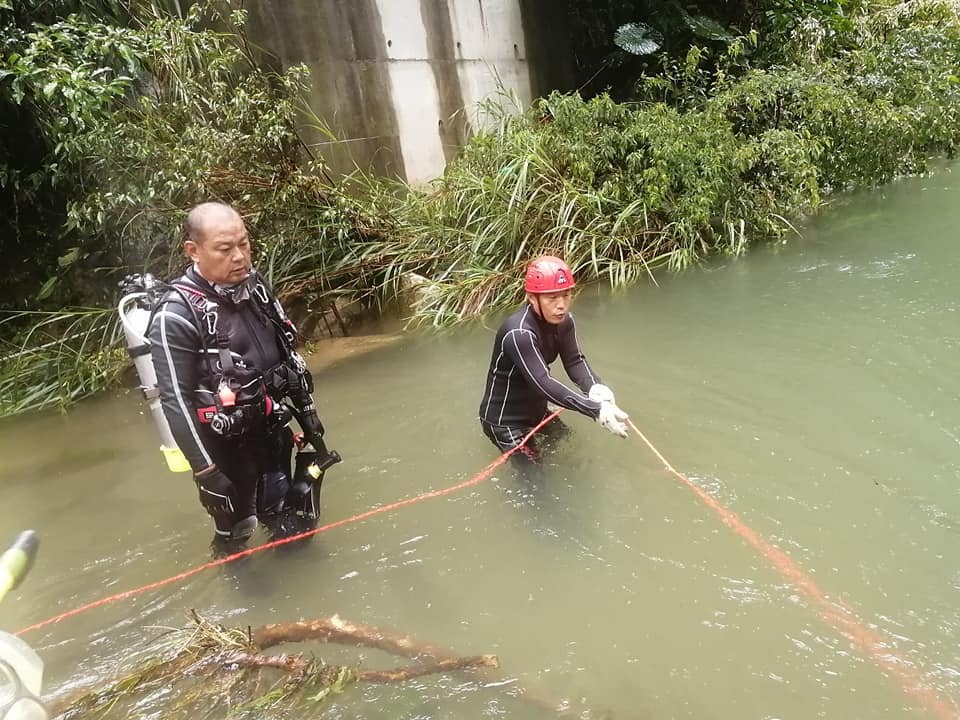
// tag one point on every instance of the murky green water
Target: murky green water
(811, 388)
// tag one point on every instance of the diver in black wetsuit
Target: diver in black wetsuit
(519, 383)
(230, 379)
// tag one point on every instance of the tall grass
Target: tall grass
(622, 189)
(617, 191)
(61, 358)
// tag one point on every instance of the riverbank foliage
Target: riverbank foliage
(728, 143)
(135, 124)
(702, 161)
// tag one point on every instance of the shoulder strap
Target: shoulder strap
(195, 302)
(268, 303)
(205, 304)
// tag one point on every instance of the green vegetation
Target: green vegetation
(729, 129)
(134, 125)
(709, 157)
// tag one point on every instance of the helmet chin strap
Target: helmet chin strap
(538, 307)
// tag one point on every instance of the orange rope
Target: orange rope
(478, 478)
(876, 647)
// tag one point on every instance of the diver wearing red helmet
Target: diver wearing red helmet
(519, 383)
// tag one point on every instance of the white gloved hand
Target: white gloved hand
(612, 418)
(601, 393)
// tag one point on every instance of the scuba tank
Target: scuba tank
(21, 669)
(135, 309)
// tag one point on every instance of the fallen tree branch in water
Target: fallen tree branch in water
(345, 632)
(337, 630)
(299, 666)
(216, 666)
(413, 671)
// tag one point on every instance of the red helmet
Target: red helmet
(548, 274)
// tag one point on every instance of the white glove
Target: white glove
(601, 393)
(612, 418)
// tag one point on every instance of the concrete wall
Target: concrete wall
(398, 81)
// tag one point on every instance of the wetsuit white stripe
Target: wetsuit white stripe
(573, 400)
(523, 399)
(493, 373)
(576, 344)
(496, 368)
(163, 314)
(228, 502)
(187, 415)
(506, 394)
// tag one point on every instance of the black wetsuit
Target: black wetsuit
(250, 329)
(519, 383)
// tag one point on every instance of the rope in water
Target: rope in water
(478, 478)
(841, 619)
(872, 644)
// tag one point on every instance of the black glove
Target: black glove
(307, 418)
(217, 493)
(312, 427)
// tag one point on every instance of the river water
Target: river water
(809, 387)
